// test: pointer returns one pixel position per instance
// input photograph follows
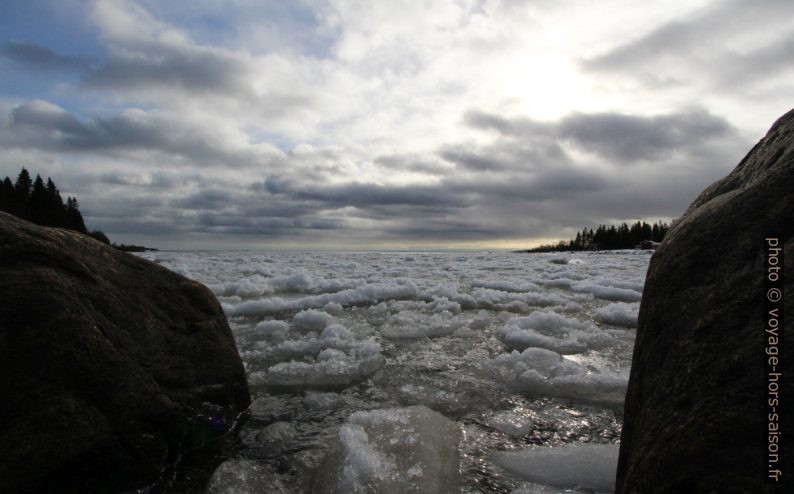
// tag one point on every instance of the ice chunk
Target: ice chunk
(311, 320)
(335, 332)
(332, 369)
(541, 372)
(547, 329)
(507, 286)
(620, 314)
(392, 451)
(333, 308)
(497, 299)
(511, 423)
(244, 477)
(590, 467)
(608, 292)
(320, 401)
(298, 281)
(277, 434)
(272, 328)
(414, 324)
(451, 292)
(442, 304)
(366, 294)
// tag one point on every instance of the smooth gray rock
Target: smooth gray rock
(694, 417)
(110, 365)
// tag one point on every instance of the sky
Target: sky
(341, 124)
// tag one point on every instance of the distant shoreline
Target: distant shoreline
(133, 248)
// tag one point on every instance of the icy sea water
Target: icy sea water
(528, 355)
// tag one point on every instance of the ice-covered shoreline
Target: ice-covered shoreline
(542, 340)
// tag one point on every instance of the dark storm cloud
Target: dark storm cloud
(526, 168)
(629, 138)
(525, 154)
(33, 56)
(41, 125)
(618, 137)
(364, 195)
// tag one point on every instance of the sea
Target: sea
(526, 354)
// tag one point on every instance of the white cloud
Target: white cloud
(417, 120)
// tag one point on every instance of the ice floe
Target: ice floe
(392, 451)
(542, 372)
(547, 329)
(587, 467)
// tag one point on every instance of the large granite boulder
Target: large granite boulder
(694, 414)
(110, 365)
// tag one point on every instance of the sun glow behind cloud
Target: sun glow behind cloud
(362, 124)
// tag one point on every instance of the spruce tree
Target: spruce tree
(38, 202)
(74, 220)
(6, 195)
(22, 189)
(56, 209)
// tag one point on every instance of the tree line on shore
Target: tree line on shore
(623, 236)
(42, 204)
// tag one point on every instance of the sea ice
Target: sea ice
(547, 329)
(320, 401)
(240, 476)
(311, 320)
(332, 368)
(591, 467)
(511, 423)
(541, 372)
(393, 451)
(620, 314)
(607, 291)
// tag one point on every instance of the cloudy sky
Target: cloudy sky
(339, 124)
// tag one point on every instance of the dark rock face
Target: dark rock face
(694, 414)
(110, 365)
